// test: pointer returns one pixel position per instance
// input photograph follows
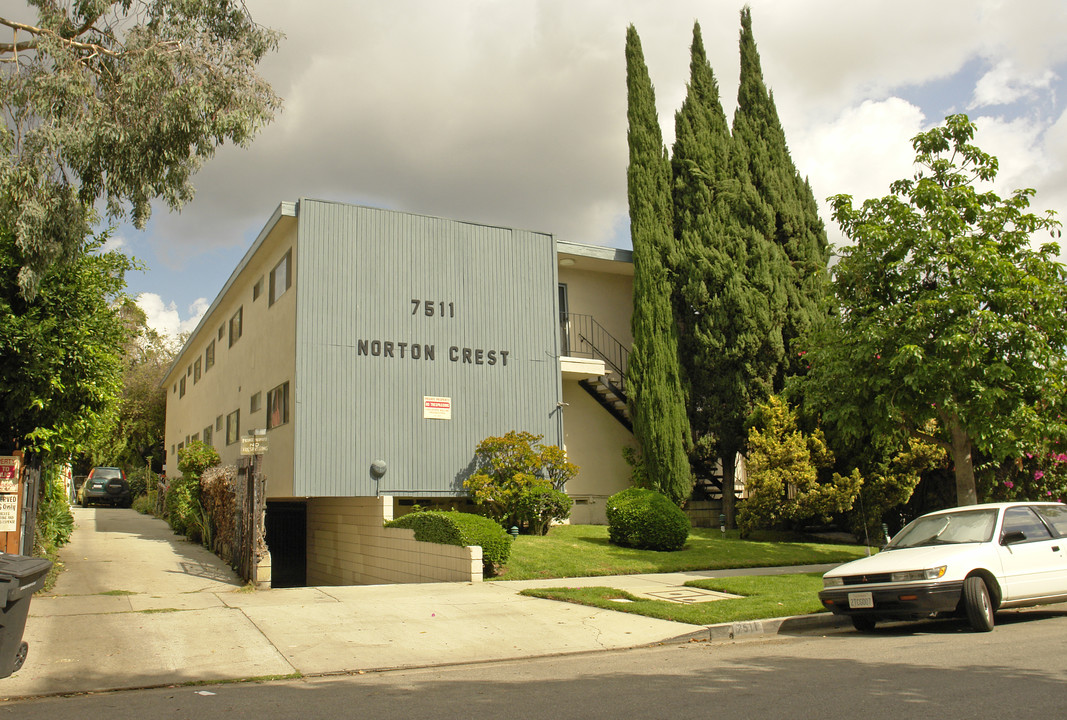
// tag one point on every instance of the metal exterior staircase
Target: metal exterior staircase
(583, 336)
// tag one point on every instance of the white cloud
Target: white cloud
(1005, 84)
(514, 113)
(859, 153)
(165, 319)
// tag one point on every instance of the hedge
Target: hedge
(462, 529)
(646, 520)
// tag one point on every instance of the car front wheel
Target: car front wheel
(977, 604)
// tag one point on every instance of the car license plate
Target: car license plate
(860, 600)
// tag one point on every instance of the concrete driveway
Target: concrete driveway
(138, 606)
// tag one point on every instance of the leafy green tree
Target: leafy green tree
(520, 482)
(60, 353)
(133, 431)
(653, 380)
(784, 209)
(948, 313)
(728, 307)
(889, 482)
(119, 102)
(784, 464)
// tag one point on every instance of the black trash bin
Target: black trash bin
(20, 577)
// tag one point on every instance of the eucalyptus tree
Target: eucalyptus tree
(118, 103)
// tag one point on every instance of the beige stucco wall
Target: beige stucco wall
(594, 439)
(260, 360)
(347, 545)
(594, 442)
(605, 291)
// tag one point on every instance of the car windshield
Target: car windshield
(967, 526)
(106, 473)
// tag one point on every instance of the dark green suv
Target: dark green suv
(105, 486)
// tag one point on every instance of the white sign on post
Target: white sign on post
(9, 512)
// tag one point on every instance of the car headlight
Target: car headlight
(927, 574)
(828, 582)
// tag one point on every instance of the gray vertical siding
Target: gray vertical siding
(359, 270)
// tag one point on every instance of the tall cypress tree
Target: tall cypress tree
(653, 383)
(789, 215)
(726, 302)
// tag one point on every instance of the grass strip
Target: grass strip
(584, 551)
(766, 596)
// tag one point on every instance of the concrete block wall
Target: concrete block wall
(347, 545)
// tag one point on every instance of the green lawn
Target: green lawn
(583, 550)
(766, 596)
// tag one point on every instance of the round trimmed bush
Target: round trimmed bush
(462, 529)
(646, 520)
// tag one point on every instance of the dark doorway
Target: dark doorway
(286, 530)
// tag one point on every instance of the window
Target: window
(235, 326)
(181, 446)
(1056, 516)
(221, 328)
(257, 289)
(278, 406)
(257, 402)
(1023, 519)
(280, 277)
(207, 435)
(196, 437)
(175, 387)
(196, 371)
(188, 371)
(218, 424)
(233, 427)
(209, 355)
(181, 388)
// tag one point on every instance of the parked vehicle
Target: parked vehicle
(968, 561)
(105, 486)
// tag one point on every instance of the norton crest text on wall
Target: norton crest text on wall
(440, 309)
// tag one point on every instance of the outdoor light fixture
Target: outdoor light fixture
(566, 262)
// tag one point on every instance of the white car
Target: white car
(969, 561)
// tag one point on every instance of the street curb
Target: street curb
(756, 629)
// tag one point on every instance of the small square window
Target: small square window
(218, 424)
(207, 435)
(256, 403)
(209, 355)
(196, 437)
(196, 371)
(181, 388)
(257, 289)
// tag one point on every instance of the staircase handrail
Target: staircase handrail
(602, 344)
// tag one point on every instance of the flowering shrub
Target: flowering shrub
(1035, 477)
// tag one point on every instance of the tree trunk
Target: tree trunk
(966, 493)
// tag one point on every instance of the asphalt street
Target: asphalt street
(931, 669)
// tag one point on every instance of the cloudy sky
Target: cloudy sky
(513, 112)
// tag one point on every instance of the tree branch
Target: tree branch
(6, 48)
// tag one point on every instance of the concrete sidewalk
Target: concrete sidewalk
(139, 607)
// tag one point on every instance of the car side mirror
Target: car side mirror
(1010, 538)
